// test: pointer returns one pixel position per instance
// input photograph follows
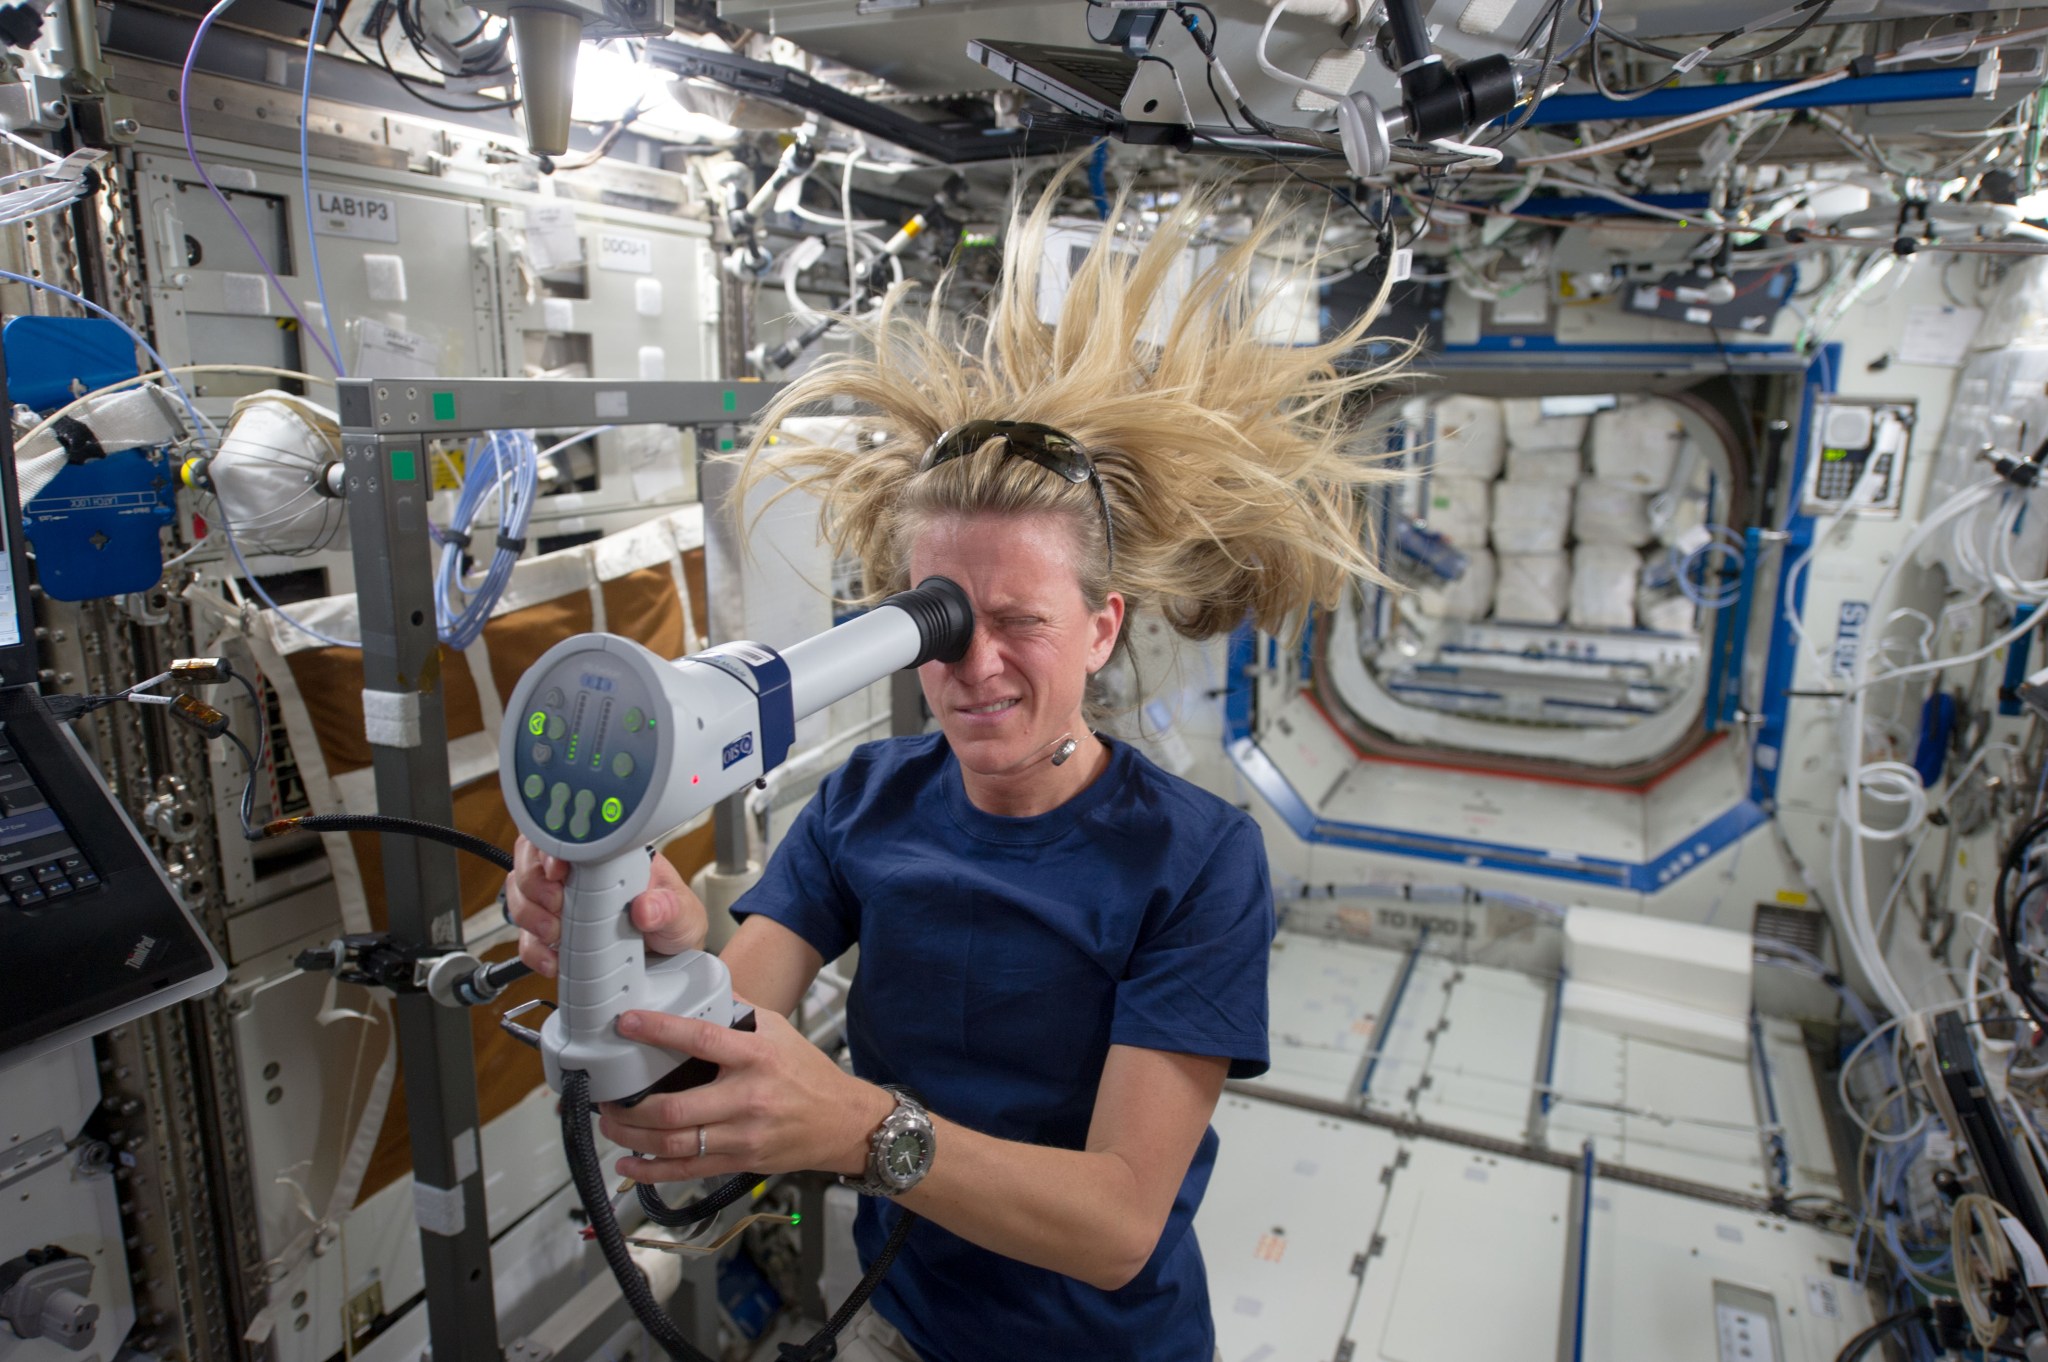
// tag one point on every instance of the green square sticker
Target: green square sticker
(732, 400)
(444, 406)
(404, 465)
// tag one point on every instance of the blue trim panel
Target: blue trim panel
(2016, 666)
(1782, 664)
(1586, 1166)
(1550, 1040)
(1590, 353)
(1238, 682)
(1582, 205)
(1380, 1033)
(1646, 877)
(1898, 87)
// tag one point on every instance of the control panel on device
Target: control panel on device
(588, 747)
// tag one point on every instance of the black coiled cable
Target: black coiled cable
(700, 1210)
(584, 1170)
(2007, 906)
(588, 1176)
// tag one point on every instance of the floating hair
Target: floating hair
(1228, 460)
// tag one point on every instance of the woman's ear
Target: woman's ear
(1107, 624)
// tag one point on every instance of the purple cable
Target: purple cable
(185, 122)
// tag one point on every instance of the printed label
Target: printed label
(341, 212)
(625, 252)
(1849, 624)
(738, 750)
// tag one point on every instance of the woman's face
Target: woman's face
(1019, 688)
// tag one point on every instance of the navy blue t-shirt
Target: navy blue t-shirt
(1000, 959)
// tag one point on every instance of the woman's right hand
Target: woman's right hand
(667, 914)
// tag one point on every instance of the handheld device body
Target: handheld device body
(607, 748)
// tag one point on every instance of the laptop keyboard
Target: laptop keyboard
(1112, 75)
(38, 860)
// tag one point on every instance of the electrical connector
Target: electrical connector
(201, 671)
(199, 715)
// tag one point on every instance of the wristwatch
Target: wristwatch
(900, 1151)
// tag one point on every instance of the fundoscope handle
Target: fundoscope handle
(608, 748)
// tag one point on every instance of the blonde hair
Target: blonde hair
(1224, 457)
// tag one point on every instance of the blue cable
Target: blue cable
(1730, 546)
(1592, 27)
(205, 178)
(1098, 178)
(306, 187)
(507, 463)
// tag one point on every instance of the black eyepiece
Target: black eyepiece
(945, 620)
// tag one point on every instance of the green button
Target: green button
(444, 406)
(732, 400)
(579, 822)
(558, 800)
(555, 727)
(622, 765)
(404, 465)
(613, 810)
(635, 720)
(534, 785)
(535, 722)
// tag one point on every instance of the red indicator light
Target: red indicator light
(695, 779)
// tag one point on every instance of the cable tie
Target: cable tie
(459, 538)
(516, 543)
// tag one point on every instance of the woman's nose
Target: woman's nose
(981, 661)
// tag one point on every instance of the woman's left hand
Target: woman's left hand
(778, 1105)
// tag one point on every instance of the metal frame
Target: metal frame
(386, 425)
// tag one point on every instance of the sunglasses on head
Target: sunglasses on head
(1046, 446)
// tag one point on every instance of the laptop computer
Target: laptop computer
(91, 934)
(1088, 82)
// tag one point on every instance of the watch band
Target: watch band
(900, 1151)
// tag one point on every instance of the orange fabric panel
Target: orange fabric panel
(517, 638)
(643, 606)
(330, 681)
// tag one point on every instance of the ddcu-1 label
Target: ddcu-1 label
(342, 212)
(625, 252)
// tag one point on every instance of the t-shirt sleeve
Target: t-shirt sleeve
(800, 889)
(1196, 983)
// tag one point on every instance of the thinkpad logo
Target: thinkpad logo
(139, 956)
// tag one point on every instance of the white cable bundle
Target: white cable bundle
(1468, 599)
(1637, 443)
(1469, 438)
(1603, 513)
(1604, 581)
(1564, 466)
(1532, 588)
(1457, 509)
(1531, 517)
(1529, 428)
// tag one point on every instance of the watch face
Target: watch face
(904, 1156)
